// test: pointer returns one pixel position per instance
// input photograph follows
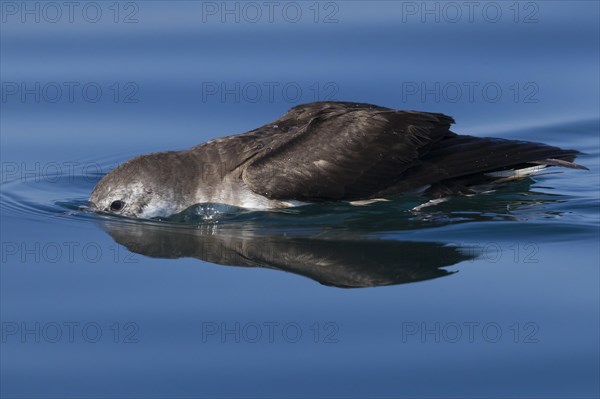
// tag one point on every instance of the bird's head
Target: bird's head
(143, 187)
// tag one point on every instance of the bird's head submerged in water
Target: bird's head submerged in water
(142, 187)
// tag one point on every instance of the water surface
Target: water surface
(495, 295)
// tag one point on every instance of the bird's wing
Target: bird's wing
(334, 151)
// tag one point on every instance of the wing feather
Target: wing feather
(335, 151)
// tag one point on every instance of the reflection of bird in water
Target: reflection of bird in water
(323, 152)
(340, 262)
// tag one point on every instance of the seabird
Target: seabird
(323, 152)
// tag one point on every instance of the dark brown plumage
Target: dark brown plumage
(328, 151)
(319, 152)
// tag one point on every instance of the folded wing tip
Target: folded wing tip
(560, 162)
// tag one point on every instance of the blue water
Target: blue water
(495, 295)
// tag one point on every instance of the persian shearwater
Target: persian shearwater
(323, 152)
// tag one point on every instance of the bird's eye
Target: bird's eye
(117, 205)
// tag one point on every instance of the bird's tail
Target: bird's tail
(459, 164)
